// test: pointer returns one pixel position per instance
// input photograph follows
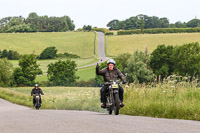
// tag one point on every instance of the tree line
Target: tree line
(47, 53)
(60, 73)
(9, 54)
(145, 22)
(164, 61)
(36, 23)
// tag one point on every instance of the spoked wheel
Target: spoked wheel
(37, 105)
(117, 106)
(110, 112)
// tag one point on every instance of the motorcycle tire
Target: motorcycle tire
(117, 104)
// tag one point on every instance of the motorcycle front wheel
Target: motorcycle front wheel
(110, 112)
(116, 106)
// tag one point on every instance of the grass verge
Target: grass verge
(59, 98)
(164, 101)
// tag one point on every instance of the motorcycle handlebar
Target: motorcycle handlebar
(111, 82)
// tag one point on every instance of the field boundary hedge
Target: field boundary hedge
(159, 30)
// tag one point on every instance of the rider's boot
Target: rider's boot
(121, 104)
(103, 105)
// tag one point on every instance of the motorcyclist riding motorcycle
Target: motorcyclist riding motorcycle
(36, 90)
(110, 73)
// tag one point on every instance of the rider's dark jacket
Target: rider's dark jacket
(115, 74)
(36, 91)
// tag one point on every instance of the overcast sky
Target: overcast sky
(100, 12)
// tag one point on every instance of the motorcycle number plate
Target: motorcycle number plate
(115, 86)
(37, 96)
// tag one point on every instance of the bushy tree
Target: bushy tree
(137, 69)
(112, 24)
(20, 28)
(62, 73)
(139, 22)
(193, 23)
(180, 25)
(161, 61)
(122, 61)
(87, 27)
(27, 71)
(4, 54)
(186, 59)
(48, 53)
(10, 55)
(6, 69)
(35, 23)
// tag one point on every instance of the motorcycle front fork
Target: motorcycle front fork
(108, 101)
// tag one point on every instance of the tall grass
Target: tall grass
(173, 98)
(170, 99)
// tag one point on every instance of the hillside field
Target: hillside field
(80, 43)
(119, 44)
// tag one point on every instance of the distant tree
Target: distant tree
(112, 24)
(10, 55)
(20, 28)
(13, 55)
(48, 53)
(187, 59)
(33, 20)
(62, 73)
(4, 53)
(139, 22)
(27, 71)
(161, 61)
(122, 61)
(138, 69)
(6, 69)
(14, 23)
(172, 26)
(35, 23)
(180, 25)
(193, 23)
(164, 22)
(3, 23)
(87, 27)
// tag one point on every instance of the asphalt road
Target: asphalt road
(101, 50)
(19, 119)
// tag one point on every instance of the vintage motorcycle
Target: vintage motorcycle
(112, 97)
(37, 101)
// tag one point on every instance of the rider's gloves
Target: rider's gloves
(124, 82)
(97, 67)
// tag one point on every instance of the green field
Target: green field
(44, 63)
(86, 73)
(83, 74)
(80, 43)
(129, 43)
